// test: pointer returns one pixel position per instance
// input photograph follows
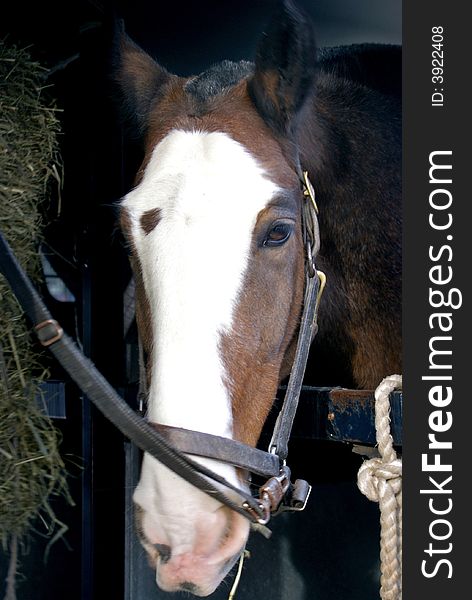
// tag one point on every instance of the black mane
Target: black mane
(376, 66)
(218, 79)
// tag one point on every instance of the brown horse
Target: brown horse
(214, 228)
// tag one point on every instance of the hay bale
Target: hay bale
(31, 468)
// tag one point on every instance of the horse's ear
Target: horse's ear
(138, 78)
(285, 68)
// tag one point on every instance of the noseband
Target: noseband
(278, 493)
(168, 444)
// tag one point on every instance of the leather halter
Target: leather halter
(278, 493)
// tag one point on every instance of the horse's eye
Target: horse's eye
(278, 234)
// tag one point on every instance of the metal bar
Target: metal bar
(343, 415)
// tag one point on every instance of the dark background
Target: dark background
(337, 555)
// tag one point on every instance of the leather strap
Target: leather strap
(314, 285)
(114, 408)
(221, 449)
(153, 438)
(283, 426)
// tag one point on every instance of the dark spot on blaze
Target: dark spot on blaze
(150, 219)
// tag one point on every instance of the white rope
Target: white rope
(380, 479)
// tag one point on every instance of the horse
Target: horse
(213, 223)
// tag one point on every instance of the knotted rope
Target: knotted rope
(380, 479)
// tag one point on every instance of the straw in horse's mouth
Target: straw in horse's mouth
(228, 564)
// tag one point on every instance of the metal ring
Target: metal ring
(57, 336)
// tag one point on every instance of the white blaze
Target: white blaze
(209, 190)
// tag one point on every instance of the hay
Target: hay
(31, 469)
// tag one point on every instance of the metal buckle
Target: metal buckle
(271, 496)
(275, 488)
(256, 516)
(301, 493)
(54, 338)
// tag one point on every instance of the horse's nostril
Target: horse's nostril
(187, 586)
(164, 552)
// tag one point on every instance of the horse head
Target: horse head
(214, 227)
